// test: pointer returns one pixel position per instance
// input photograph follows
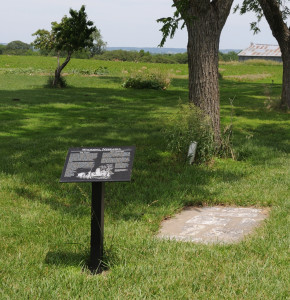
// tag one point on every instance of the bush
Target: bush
(61, 83)
(144, 79)
(188, 125)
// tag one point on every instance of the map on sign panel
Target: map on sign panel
(98, 164)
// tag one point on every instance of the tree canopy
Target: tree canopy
(17, 45)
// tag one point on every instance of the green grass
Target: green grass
(45, 225)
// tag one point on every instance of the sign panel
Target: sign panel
(98, 164)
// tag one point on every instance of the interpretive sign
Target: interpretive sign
(98, 164)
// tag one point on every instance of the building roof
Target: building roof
(261, 50)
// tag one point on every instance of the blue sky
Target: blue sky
(126, 23)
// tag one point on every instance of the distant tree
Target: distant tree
(230, 56)
(72, 34)
(204, 20)
(99, 46)
(2, 48)
(17, 48)
(276, 13)
(17, 45)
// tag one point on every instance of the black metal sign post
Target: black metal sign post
(98, 165)
(97, 227)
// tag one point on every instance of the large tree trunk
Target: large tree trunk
(202, 49)
(285, 99)
(205, 20)
(59, 68)
(281, 32)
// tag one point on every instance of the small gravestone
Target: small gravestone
(98, 165)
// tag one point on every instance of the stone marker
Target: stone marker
(212, 224)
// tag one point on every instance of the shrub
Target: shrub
(61, 83)
(145, 79)
(188, 125)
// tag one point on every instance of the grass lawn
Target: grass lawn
(45, 225)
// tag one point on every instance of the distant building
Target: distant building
(261, 51)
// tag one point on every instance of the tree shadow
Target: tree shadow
(66, 258)
(41, 127)
(44, 123)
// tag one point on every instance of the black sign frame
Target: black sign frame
(98, 164)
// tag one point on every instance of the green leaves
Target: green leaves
(254, 6)
(171, 24)
(44, 40)
(71, 34)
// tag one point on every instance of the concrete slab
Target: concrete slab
(216, 224)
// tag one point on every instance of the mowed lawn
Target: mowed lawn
(45, 225)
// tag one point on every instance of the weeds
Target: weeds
(98, 71)
(190, 124)
(60, 84)
(226, 148)
(271, 103)
(145, 79)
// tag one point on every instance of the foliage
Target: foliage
(230, 56)
(71, 34)
(114, 55)
(145, 79)
(16, 48)
(142, 56)
(61, 83)
(2, 48)
(171, 24)
(99, 45)
(190, 125)
(254, 6)
(17, 45)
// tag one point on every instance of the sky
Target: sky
(123, 23)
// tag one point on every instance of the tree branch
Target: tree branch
(223, 8)
(273, 14)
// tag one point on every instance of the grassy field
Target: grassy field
(45, 225)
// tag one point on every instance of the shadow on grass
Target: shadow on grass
(44, 123)
(64, 258)
(264, 127)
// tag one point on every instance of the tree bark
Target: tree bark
(285, 98)
(204, 21)
(281, 32)
(59, 68)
